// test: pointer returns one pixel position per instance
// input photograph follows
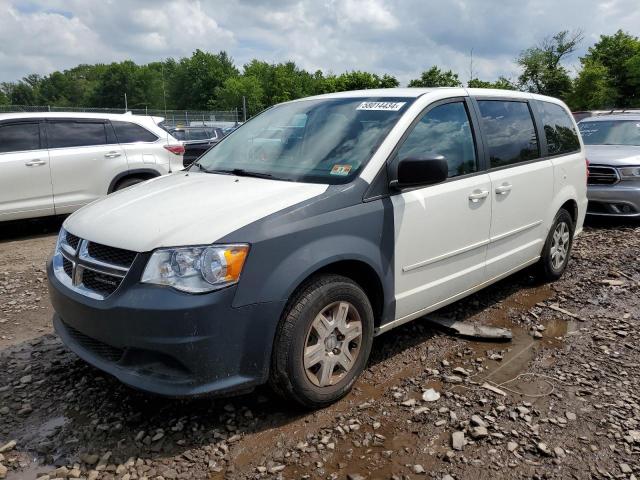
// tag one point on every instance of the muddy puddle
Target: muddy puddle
(509, 373)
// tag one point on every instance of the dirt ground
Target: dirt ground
(562, 400)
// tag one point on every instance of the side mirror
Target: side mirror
(420, 172)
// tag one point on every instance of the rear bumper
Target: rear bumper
(619, 200)
(166, 342)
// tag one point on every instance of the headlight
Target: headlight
(629, 172)
(196, 269)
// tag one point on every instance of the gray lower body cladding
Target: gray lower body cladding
(165, 342)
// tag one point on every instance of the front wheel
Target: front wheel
(557, 248)
(323, 341)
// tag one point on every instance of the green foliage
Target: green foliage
(194, 81)
(502, 83)
(434, 77)
(592, 88)
(618, 55)
(542, 69)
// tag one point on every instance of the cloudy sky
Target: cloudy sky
(400, 37)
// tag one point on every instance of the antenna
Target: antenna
(471, 66)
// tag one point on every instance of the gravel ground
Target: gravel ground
(562, 400)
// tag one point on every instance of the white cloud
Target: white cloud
(399, 37)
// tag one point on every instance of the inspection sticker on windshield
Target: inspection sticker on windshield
(342, 170)
(386, 106)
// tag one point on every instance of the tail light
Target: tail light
(175, 149)
(586, 160)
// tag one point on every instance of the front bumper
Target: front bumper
(167, 342)
(620, 200)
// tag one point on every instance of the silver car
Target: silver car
(613, 151)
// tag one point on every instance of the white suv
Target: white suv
(54, 163)
(318, 224)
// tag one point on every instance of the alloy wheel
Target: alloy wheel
(332, 344)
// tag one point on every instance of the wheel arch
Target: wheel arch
(144, 173)
(362, 273)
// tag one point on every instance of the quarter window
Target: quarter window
(444, 130)
(558, 128)
(509, 130)
(128, 132)
(19, 137)
(76, 134)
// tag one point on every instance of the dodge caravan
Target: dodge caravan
(283, 251)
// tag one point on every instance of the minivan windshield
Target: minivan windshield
(610, 132)
(317, 141)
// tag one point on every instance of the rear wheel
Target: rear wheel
(323, 341)
(557, 248)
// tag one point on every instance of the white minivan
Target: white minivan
(317, 225)
(54, 163)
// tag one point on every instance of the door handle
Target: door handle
(478, 195)
(111, 155)
(504, 189)
(36, 162)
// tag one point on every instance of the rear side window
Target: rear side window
(76, 134)
(444, 130)
(509, 131)
(200, 134)
(19, 137)
(558, 128)
(128, 132)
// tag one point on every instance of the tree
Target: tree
(229, 96)
(593, 88)
(434, 77)
(542, 69)
(502, 83)
(619, 54)
(195, 80)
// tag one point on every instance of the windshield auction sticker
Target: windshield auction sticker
(341, 170)
(385, 106)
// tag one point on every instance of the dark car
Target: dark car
(196, 140)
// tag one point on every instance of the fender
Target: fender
(286, 249)
(149, 172)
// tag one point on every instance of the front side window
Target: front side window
(610, 132)
(66, 134)
(318, 140)
(509, 130)
(444, 130)
(128, 132)
(19, 137)
(558, 128)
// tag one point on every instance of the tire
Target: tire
(128, 182)
(301, 329)
(552, 265)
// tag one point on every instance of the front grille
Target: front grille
(112, 255)
(89, 268)
(99, 282)
(72, 240)
(601, 175)
(67, 266)
(101, 349)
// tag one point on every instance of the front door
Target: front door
(25, 179)
(441, 231)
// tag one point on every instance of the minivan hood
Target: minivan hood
(616, 155)
(184, 209)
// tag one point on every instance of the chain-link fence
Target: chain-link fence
(172, 117)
